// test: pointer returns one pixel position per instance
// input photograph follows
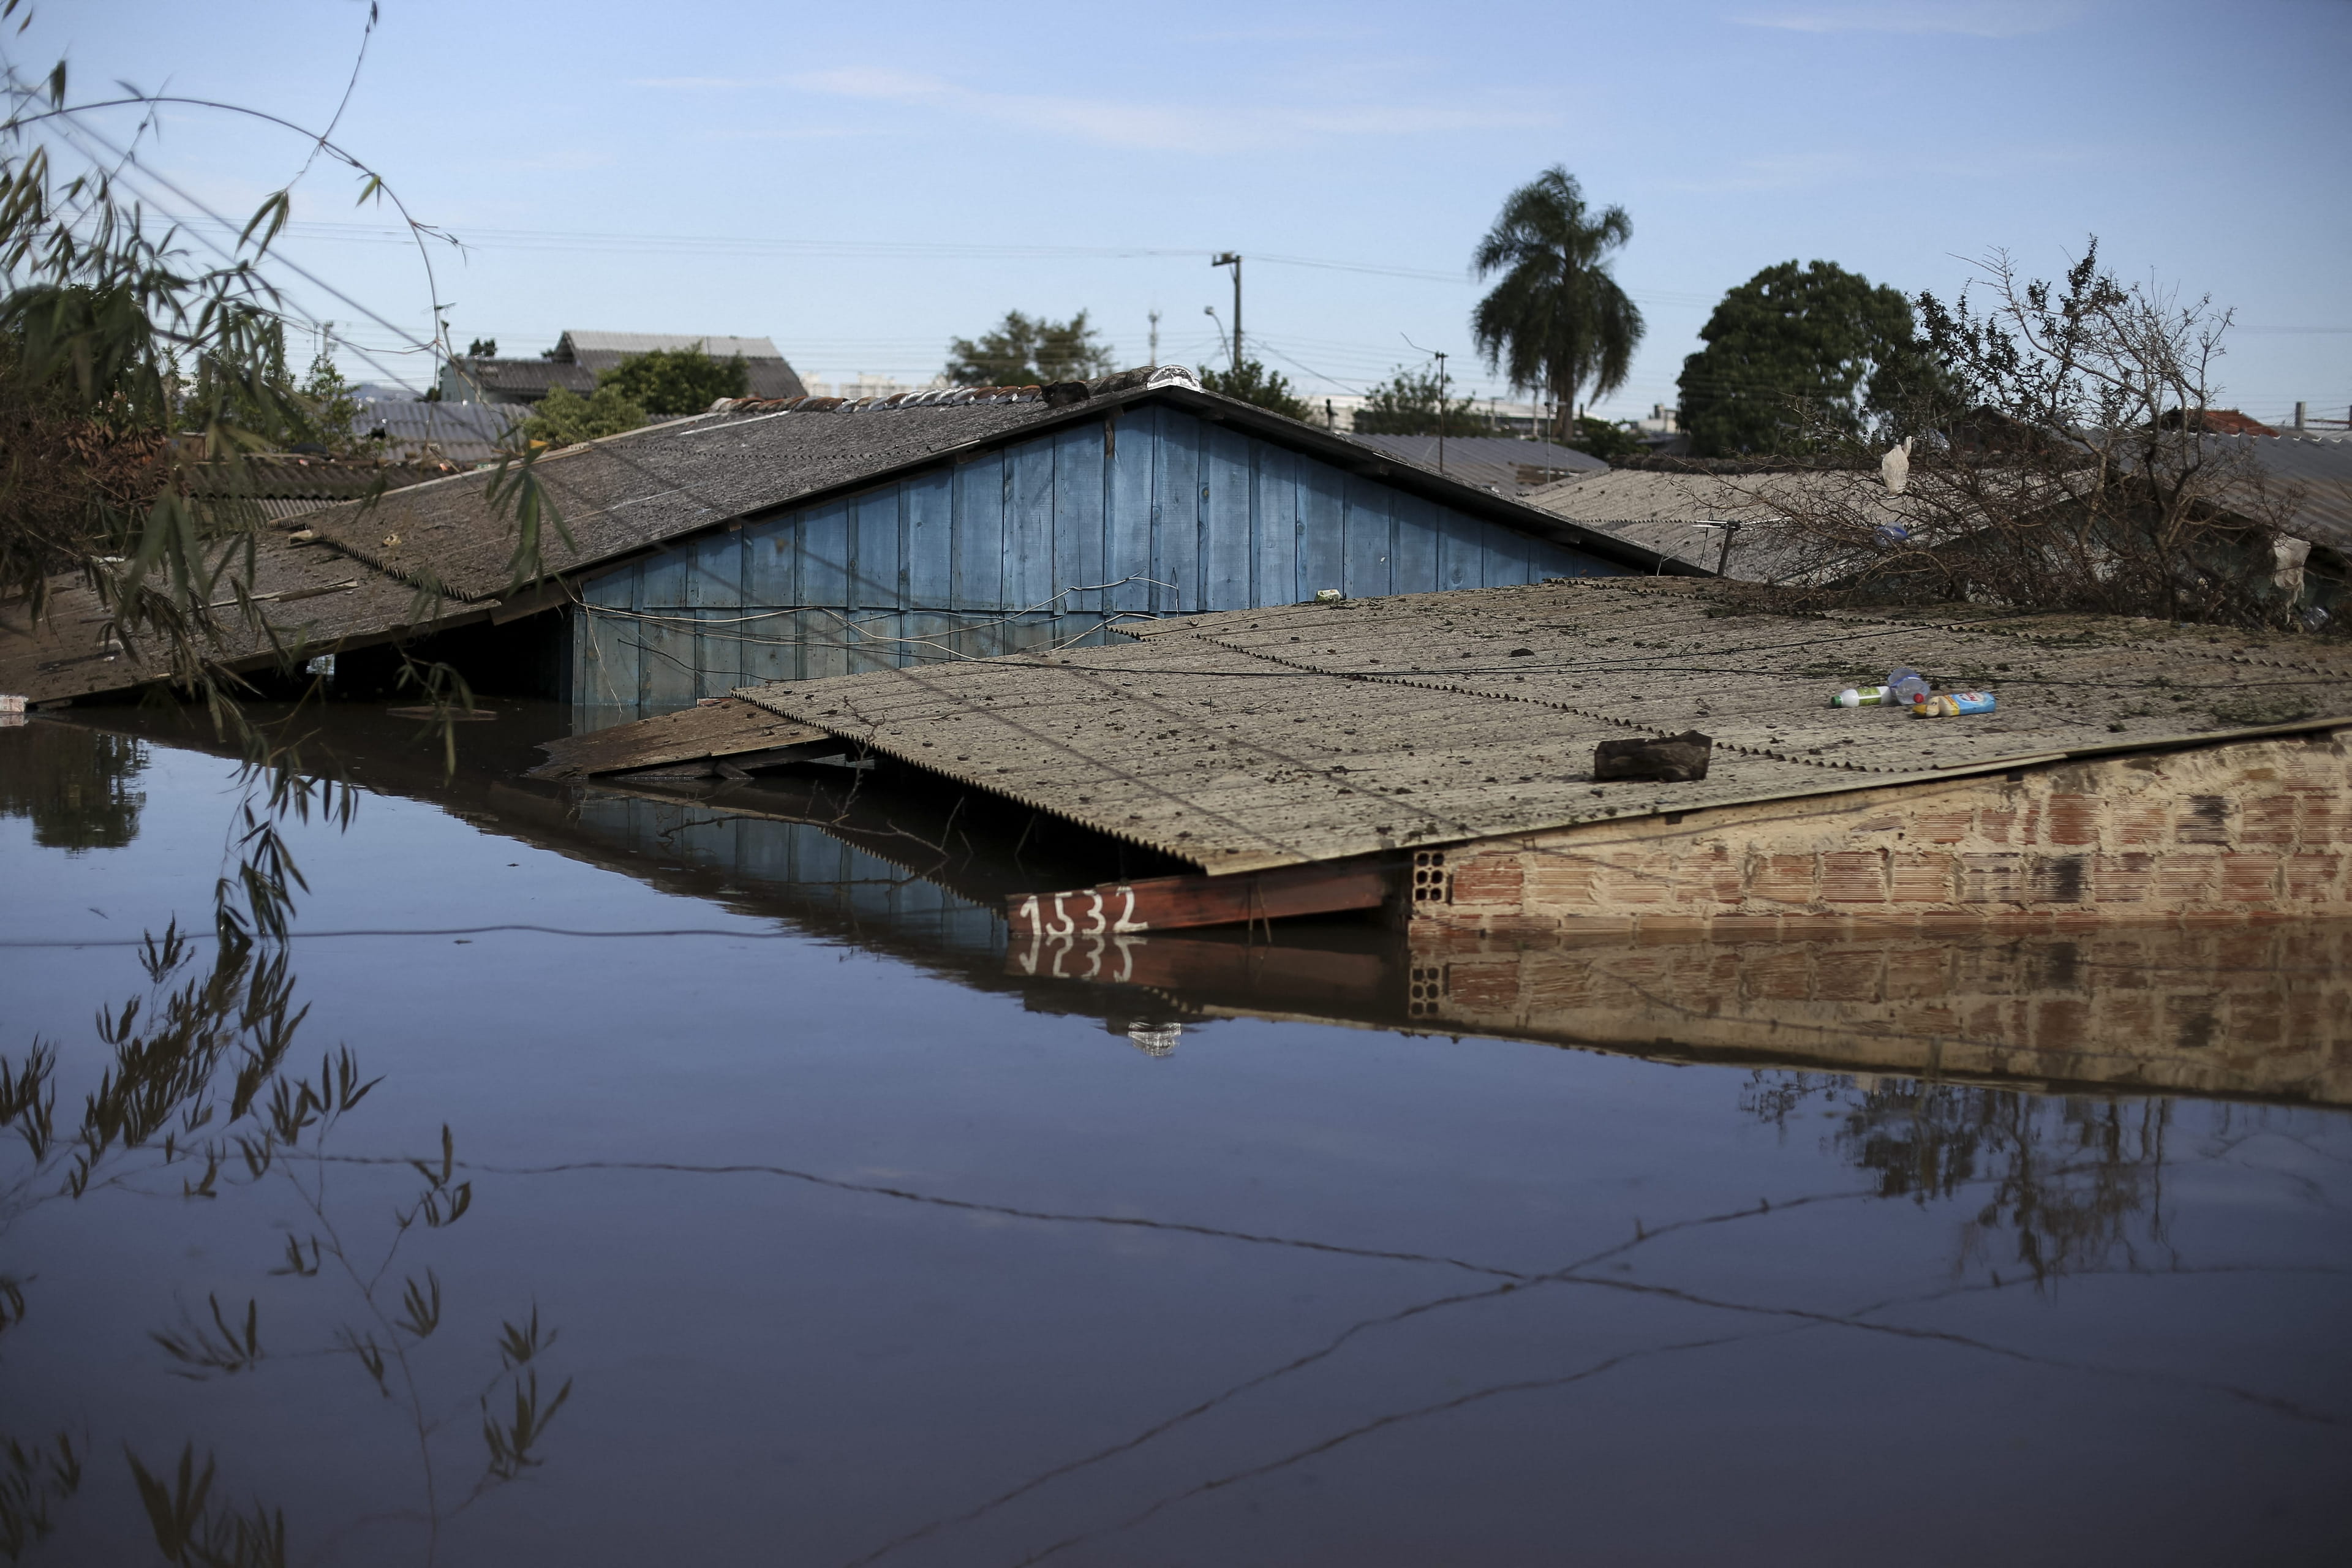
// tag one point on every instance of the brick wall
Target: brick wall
(2255, 831)
(2262, 1010)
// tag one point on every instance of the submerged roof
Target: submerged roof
(1260, 738)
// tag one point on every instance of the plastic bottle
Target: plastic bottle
(1906, 684)
(1952, 705)
(1862, 696)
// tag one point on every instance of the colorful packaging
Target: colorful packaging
(1952, 704)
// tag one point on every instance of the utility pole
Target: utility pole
(1441, 410)
(1233, 258)
(1155, 338)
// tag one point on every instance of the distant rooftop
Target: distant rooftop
(599, 348)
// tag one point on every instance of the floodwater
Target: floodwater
(789, 1213)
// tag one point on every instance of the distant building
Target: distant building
(577, 357)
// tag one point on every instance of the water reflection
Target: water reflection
(898, 1270)
(203, 1098)
(75, 783)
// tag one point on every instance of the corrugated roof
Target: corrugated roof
(1500, 463)
(2319, 469)
(1262, 738)
(1665, 512)
(462, 433)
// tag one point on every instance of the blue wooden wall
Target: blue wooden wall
(1150, 512)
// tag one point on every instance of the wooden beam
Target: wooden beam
(1174, 903)
(714, 728)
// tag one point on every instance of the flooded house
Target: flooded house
(800, 538)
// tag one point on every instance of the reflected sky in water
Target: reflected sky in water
(856, 1244)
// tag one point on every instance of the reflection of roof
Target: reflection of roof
(1498, 463)
(1260, 738)
(462, 433)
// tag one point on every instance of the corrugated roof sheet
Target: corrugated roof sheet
(461, 433)
(1665, 512)
(2319, 469)
(1263, 737)
(1498, 463)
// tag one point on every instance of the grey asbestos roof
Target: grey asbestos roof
(1497, 463)
(463, 433)
(1668, 512)
(1261, 738)
(2318, 470)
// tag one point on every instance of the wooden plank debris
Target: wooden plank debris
(713, 729)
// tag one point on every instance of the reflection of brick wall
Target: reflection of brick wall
(2255, 830)
(2257, 1010)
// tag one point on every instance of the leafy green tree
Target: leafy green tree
(1409, 404)
(328, 411)
(1798, 357)
(1253, 383)
(666, 382)
(1605, 439)
(1025, 351)
(564, 418)
(1556, 320)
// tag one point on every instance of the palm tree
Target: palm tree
(1557, 320)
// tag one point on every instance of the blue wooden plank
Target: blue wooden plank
(1029, 568)
(1506, 556)
(979, 553)
(1079, 517)
(769, 549)
(1273, 525)
(663, 582)
(823, 631)
(1129, 447)
(1323, 512)
(825, 555)
(1415, 557)
(771, 644)
(714, 569)
(1176, 513)
(1461, 552)
(879, 550)
(930, 536)
(1365, 565)
(1225, 544)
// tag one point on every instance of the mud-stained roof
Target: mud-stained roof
(1262, 738)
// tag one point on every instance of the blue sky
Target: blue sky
(862, 182)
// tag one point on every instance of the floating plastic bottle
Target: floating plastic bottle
(1906, 684)
(1952, 704)
(1862, 697)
